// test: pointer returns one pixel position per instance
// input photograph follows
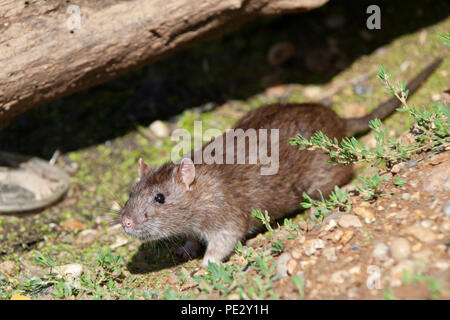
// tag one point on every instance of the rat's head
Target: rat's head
(159, 203)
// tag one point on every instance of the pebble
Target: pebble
(305, 264)
(282, 262)
(330, 225)
(159, 129)
(120, 241)
(312, 92)
(73, 270)
(396, 168)
(336, 235)
(349, 220)
(86, 236)
(330, 254)
(411, 163)
(361, 89)
(348, 235)
(312, 245)
(421, 233)
(446, 208)
(445, 227)
(8, 268)
(365, 213)
(441, 265)
(406, 196)
(290, 266)
(380, 251)
(400, 248)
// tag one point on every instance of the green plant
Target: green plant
(369, 187)
(431, 132)
(338, 199)
(299, 283)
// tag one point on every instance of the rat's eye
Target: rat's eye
(160, 198)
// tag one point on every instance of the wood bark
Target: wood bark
(45, 54)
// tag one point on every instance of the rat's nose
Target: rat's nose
(127, 222)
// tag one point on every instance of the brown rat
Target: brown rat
(212, 203)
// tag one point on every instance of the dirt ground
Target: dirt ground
(396, 246)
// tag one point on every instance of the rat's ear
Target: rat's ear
(143, 169)
(186, 172)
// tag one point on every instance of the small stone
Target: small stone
(305, 264)
(421, 233)
(291, 265)
(396, 274)
(73, 270)
(72, 225)
(336, 235)
(406, 196)
(311, 92)
(330, 254)
(339, 277)
(280, 52)
(86, 236)
(349, 220)
(159, 129)
(380, 251)
(396, 168)
(417, 247)
(330, 225)
(8, 268)
(355, 247)
(282, 262)
(346, 237)
(441, 265)
(120, 241)
(361, 89)
(297, 253)
(312, 245)
(365, 213)
(400, 248)
(445, 227)
(446, 209)
(411, 163)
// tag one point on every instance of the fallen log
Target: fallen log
(50, 49)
